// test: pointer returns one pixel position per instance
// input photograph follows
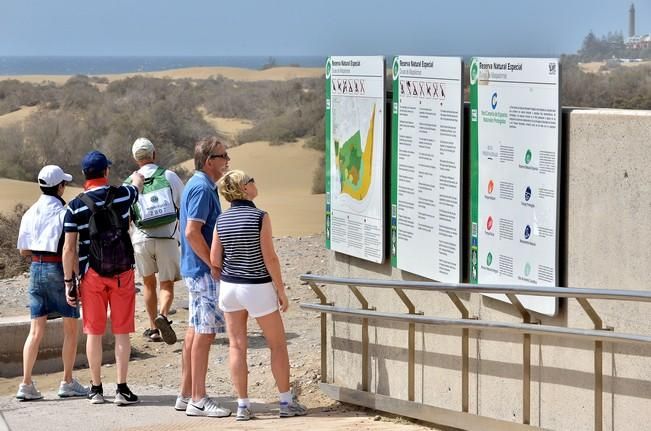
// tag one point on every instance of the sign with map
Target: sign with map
(426, 166)
(515, 143)
(355, 156)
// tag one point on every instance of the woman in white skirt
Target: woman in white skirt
(251, 284)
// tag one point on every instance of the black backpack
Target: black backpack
(111, 251)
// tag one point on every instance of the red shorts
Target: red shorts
(97, 293)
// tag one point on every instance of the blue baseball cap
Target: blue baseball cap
(95, 161)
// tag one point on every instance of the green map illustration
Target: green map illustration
(355, 166)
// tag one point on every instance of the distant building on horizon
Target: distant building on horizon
(631, 21)
(634, 41)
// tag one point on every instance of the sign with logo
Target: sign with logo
(355, 156)
(515, 147)
(426, 166)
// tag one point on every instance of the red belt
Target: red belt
(46, 258)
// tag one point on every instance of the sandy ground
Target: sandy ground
(234, 73)
(283, 174)
(17, 117)
(154, 369)
(15, 192)
(284, 177)
(229, 127)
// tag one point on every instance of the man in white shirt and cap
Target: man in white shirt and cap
(155, 238)
(41, 238)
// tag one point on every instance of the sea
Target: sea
(61, 65)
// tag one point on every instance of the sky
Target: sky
(308, 27)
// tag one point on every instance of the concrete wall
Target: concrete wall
(607, 232)
(14, 332)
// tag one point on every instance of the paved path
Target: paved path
(155, 413)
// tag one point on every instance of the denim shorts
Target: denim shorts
(47, 291)
(204, 313)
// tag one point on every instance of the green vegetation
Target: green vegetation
(281, 111)
(15, 94)
(87, 113)
(91, 113)
(607, 47)
(620, 87)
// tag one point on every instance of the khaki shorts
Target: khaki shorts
(160, 256)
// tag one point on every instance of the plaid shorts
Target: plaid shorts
(204, 313)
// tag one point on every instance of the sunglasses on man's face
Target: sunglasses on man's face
(251, 180)
(221, 156)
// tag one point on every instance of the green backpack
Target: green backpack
(155, 205)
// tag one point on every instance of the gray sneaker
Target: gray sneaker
(287, 410)
(243, 413)
(124, 397)
(206, 407)
(72, 389)
(28, 392)
(181, 403)
(96, 397)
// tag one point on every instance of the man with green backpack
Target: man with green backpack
(155, 235)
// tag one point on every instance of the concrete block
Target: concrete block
(14, 332)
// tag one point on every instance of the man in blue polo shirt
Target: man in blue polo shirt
(198, 215)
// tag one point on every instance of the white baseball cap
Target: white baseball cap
(142, 147)
(52, 175)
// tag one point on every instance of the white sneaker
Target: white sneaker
(243, 413)
(28, 392)
(206, 407)
(72, 389)
(96, 397)
(288, 410)
(182, 403)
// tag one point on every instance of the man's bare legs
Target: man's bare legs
(199, 362)
(186, 364)
(166, 297)
(150, 297)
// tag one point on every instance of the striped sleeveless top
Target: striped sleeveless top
(239, 232)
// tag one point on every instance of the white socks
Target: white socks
(286, 397)
(244, 402)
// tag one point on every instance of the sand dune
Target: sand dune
(25, 192)
(234, 73)
(229, 127)
(283, 174)
(16, 117)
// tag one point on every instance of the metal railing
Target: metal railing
(528, 327)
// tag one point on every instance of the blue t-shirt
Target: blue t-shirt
(199, 202)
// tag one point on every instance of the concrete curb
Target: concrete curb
(14, 332)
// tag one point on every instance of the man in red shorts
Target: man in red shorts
(98, 221)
